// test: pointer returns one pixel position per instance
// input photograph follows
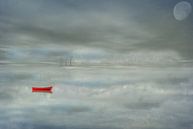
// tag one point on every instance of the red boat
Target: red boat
(42, 89)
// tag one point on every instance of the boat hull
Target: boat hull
(42, 89)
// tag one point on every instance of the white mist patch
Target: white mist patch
(155, 57)
(145, 57)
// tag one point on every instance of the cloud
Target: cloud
(88, 28)
(5, 97)
(117, 29)
(2, 55)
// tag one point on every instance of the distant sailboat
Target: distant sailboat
(67, 61)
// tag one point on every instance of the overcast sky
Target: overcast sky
(89, 30)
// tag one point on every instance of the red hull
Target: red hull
(42, 89)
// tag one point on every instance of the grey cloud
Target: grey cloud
(117, 30)
(142, 105)
(91, 28)
(2, 55)
(15, 77)
(70, 109)
(170, 34)
(6, 97)
(81, 33)
(21, 125)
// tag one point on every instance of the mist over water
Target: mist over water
(107, 97)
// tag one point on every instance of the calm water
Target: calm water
(99, 97)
